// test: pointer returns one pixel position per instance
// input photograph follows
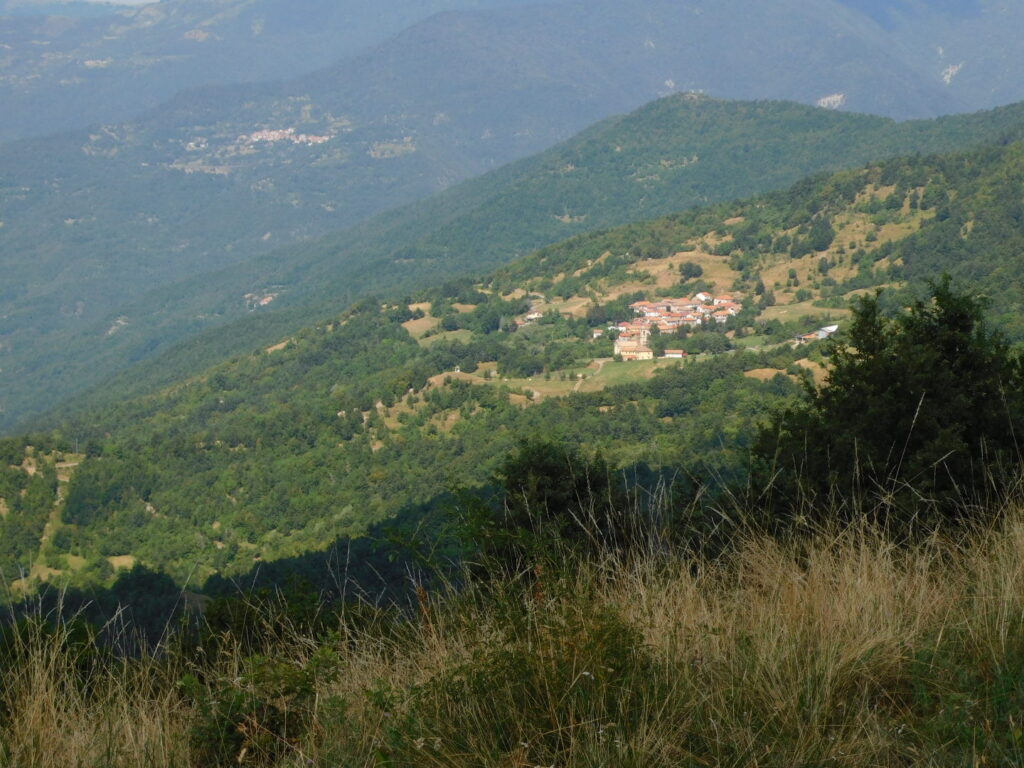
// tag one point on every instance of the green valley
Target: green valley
(396, 404)
(362, 407)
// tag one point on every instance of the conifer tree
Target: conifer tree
(919, 418)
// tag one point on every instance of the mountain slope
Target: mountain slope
(94, 222)
(64, 66)
(387, 406)
(678, 152)
(968, 48)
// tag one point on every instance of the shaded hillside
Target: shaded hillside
(678, 152)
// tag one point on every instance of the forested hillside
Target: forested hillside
(218, 175)
(694, 440)
(72, 320)
(394, 405)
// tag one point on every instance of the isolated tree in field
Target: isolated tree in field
(690, 270)
(919, 418)
(821, 235)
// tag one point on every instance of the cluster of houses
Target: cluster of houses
(668, 316)
(254, 301)
(284, 134)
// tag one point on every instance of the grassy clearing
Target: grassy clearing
(122, 562)
(787, 312)
(463, 335)
(756, 341)
(845, 650)
(597, 376)
(818, 371)
(764, 374)
(417, 328)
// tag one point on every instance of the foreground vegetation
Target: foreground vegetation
(581, 616)
(844, 649)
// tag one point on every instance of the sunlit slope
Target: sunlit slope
(386, 407)
(675, 153)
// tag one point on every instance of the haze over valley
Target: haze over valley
(96, 219)
(511, 383)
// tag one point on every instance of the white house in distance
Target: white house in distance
(818, 335)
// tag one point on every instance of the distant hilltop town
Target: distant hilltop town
(283, 134)
(668, 316)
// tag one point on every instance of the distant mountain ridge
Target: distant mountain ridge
(99, 221)
(106, 63)
(884, 11)
(93, 221)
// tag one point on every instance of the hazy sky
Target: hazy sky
(29, 3)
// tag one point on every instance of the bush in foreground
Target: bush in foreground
(919, 421)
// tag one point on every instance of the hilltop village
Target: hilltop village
(633, 339)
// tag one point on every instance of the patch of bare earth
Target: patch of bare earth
(417, 328)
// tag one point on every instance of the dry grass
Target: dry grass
(420, 326)
(764, 374)
(837, 651)
(122, 562)
(131, 718)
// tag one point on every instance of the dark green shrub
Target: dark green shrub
(552, 498)
(919, 419)
(262, 715)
